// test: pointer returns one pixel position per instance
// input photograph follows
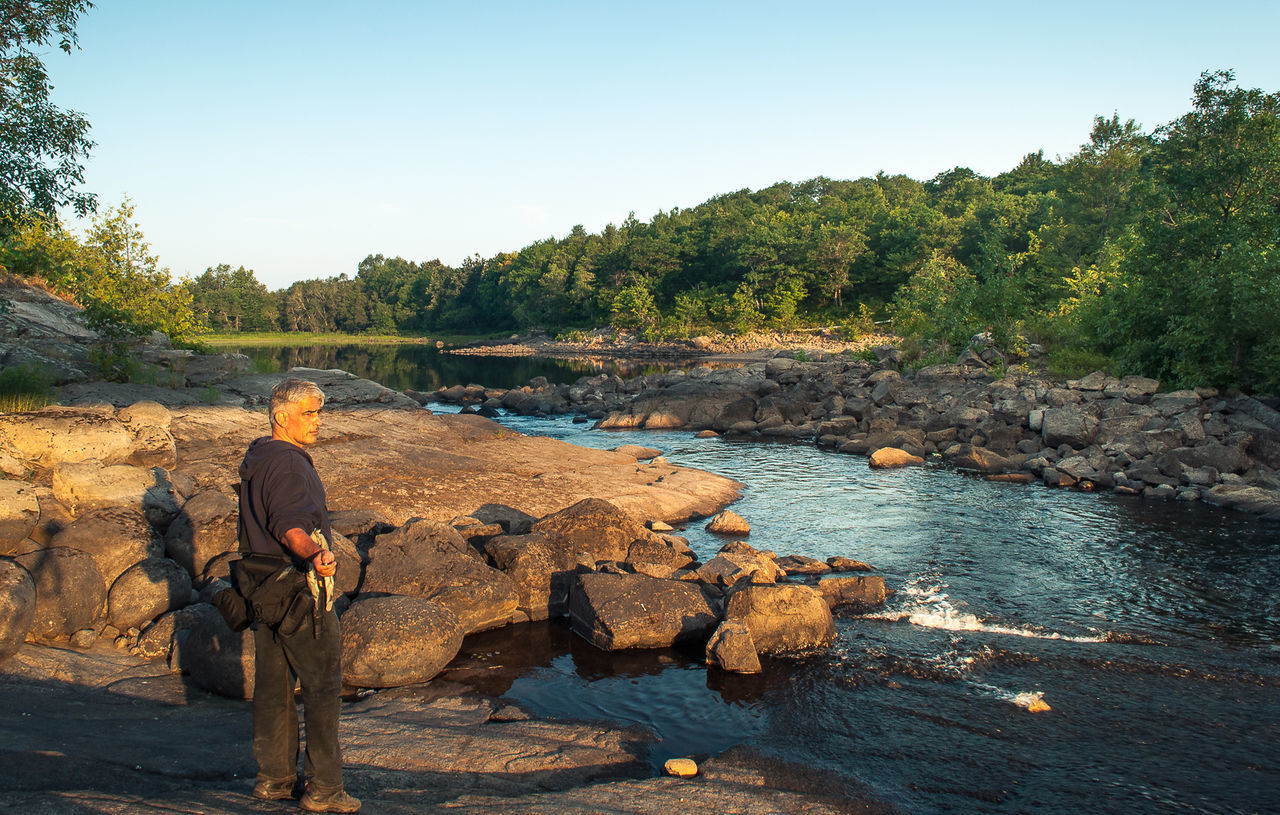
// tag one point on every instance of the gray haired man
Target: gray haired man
(282, 518)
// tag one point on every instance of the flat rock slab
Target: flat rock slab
(120, 735)
(406, 463)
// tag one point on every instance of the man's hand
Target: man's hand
(326, 564)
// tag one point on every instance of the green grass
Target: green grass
(24, 387)
(280, 338)
(1073, 363)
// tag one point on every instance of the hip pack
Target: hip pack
(270, 587)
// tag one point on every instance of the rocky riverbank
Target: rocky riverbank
(712, 349)
(1096, 433)
(117, 525)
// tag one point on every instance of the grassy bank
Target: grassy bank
(281, 338)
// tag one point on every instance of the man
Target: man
(282, 505)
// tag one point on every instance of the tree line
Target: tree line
(1141, 252)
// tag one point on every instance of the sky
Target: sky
(295, 138)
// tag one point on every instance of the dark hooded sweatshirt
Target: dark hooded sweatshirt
(279, 490)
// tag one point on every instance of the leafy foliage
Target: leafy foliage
(110, 272)
(42, 147)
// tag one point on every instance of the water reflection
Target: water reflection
(423, 367)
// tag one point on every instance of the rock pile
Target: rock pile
(1094, 433)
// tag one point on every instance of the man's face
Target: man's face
(299, 422)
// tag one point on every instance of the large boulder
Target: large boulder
(981, 459)
(393, 640)
(217, 659)
(732, 649)
(1068, 425)
(593, 527)
(350, 564)
(863, 591)
(202, 530)
(145, 591)
(70, 592)
(117, 537)
(87, 485)
(19, 512)
(729, 523)
(618, 611)
(739, 561)
(17, 606)
(539, 570)
(54, 435)
(887, 458)
(431, 559)
(782, 618)
(512, 520)
(542, 562)
(156, 640)
(668, 551)
(153, 444)
(1222, 458)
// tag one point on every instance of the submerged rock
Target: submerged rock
(729, 523)
(618, 611)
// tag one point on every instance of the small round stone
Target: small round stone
(681, 767)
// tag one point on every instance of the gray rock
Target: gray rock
(1071, 426)
(216, 658)
(203, 529)
(116, 537)
(431, 559)
(1170, 404)
(17, 606)
(70, 593)
(145, 591)
(393, 641)
(19, 512)
(782, 618)
(620, 611)
(732, 649)
(863, 591)
(1222, 458)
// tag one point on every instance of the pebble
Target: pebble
(681, 767)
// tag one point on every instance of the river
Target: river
(1151, 629)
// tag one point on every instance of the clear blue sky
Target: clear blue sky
(295, 138)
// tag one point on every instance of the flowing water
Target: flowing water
(1150, 629)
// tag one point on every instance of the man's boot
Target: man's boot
(314, 800)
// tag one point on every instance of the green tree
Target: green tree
(835, 247)
(42, 147)
(226, 299)
(1198, 300)
(111, 273)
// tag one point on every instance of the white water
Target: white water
(923, 601)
